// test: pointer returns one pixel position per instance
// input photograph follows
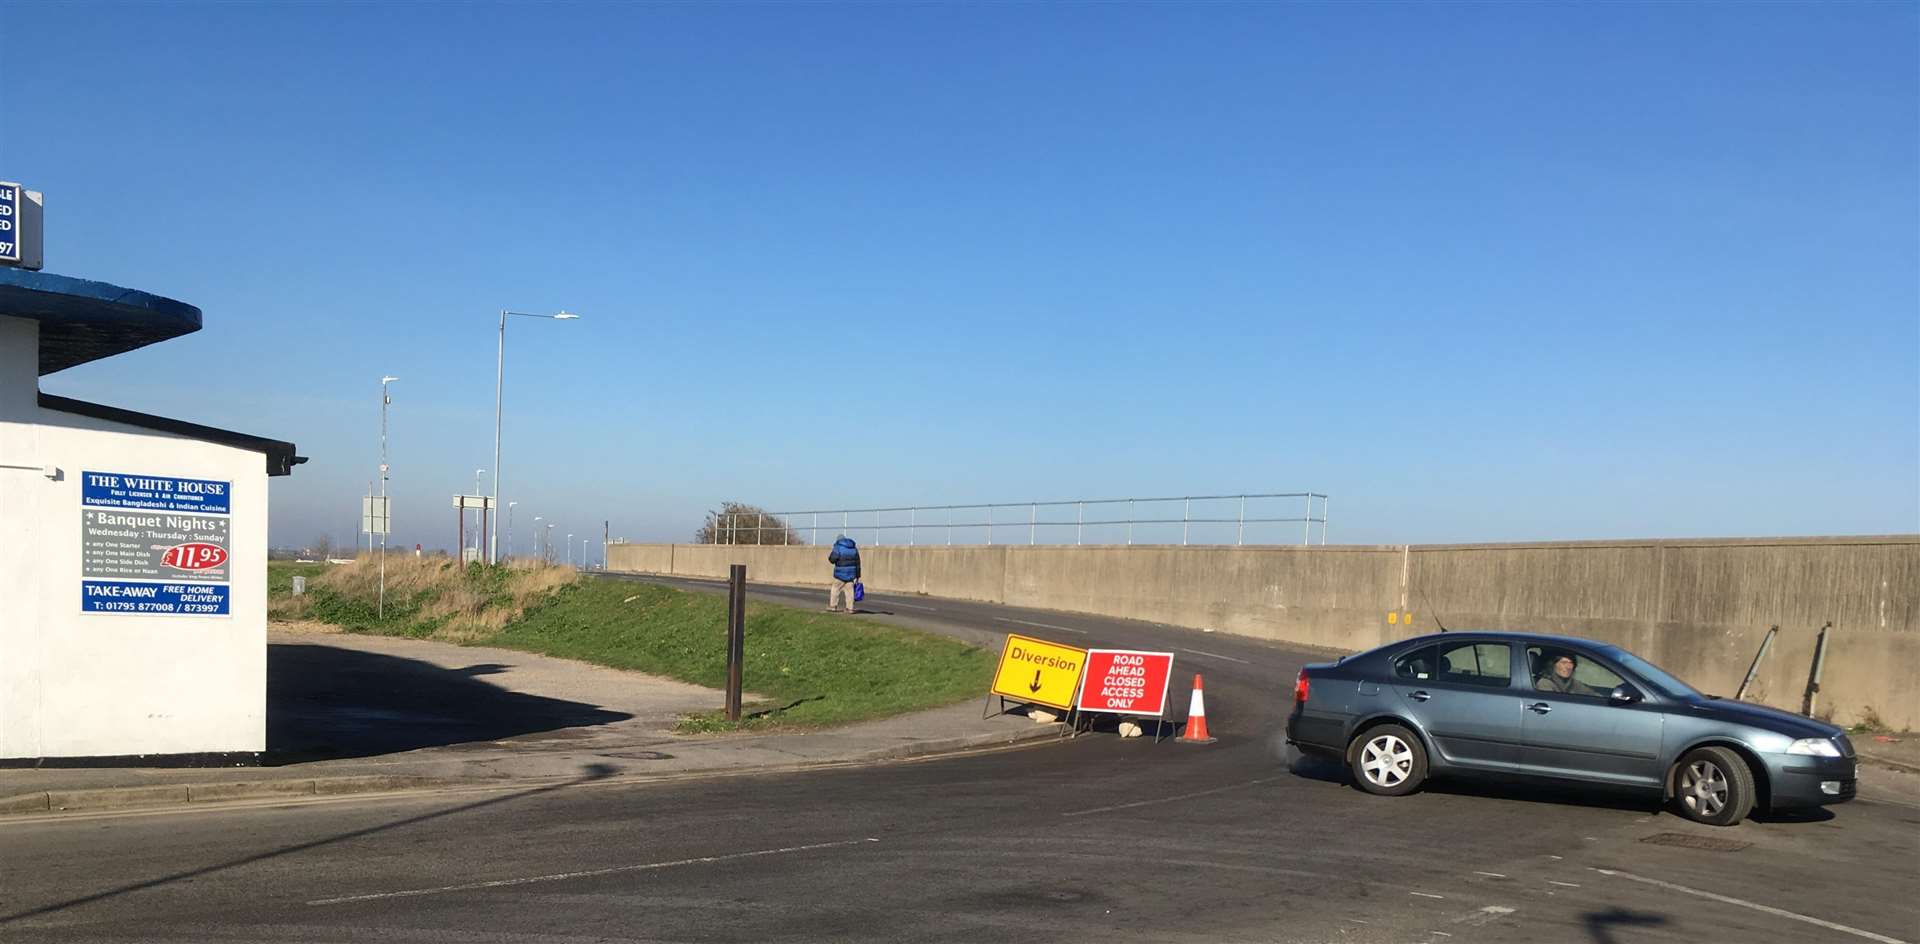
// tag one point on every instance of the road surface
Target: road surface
(1095, 839)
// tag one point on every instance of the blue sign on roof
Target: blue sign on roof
(9, 222)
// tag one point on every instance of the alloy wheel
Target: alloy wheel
(1386, 760)
(1704, 788)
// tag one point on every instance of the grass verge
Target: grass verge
(812, 669)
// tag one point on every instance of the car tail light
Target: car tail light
(1300, 688)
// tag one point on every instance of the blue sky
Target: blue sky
(1501, 272)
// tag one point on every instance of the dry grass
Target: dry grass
(466, 613)
(426, 596)
(278, 627)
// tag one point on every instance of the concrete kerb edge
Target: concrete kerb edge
(1876, 760)
(106, 799)
(950, 745)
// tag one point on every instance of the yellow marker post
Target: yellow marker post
(1037, 671)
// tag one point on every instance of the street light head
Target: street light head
(388, 380)
(566, 316)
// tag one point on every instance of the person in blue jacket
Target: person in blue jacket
(845, 558)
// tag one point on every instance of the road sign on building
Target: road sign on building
(1037, 671)
(1126, 682)
(155, 544)
(20, 226)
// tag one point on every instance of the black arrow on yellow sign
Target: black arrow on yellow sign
(1036, 681)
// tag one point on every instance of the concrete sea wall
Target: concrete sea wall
(1699, 608)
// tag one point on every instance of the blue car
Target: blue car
(1561, 708)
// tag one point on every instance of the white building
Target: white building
(133, 610)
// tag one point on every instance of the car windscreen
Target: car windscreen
(1654, 675)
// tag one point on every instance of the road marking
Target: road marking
(1214, 655)
(589, 873)
(1484, 916)
(1779, 912)
(1064, 629)
(1183, 796)
(910, 606)
(1562, 884)
(1426, 895)
(1490, 874)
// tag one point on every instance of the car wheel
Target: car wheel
(1388, 760)
(1714, 786)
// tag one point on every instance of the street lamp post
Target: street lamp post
(569, 550)
(548, 553)
(479, 536)
(499, 382)
(385, 526)
(509, 525)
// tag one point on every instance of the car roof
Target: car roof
(1502, 634)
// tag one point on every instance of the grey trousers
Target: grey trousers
(839, 589)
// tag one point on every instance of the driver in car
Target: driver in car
(1559, 678)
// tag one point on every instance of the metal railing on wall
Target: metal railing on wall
(1221, 519)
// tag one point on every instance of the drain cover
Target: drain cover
(1703, 843)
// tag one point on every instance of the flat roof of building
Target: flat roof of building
(281, 456)
(82, 320)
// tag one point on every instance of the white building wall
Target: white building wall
(20, 492)
(76, 684)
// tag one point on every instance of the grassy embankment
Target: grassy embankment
(813, 668)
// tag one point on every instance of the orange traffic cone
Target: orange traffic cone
(1196, 732)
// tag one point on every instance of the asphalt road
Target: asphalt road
(1095, 839)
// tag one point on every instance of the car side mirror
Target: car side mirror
(1623, 694)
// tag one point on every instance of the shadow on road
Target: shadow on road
(1316, 767)
(1329, 770)
(1816, 814)
(330, 702)
(588, 774)
(1600, 924)
(1549, 792)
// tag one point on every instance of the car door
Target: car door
(1462, 695)
(1581, 734)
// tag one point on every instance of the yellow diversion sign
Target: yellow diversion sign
(1034, 670)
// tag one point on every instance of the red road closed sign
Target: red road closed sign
(1126, 682)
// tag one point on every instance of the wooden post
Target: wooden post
(736, 636)
(1754, 669)
(1813, 678)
